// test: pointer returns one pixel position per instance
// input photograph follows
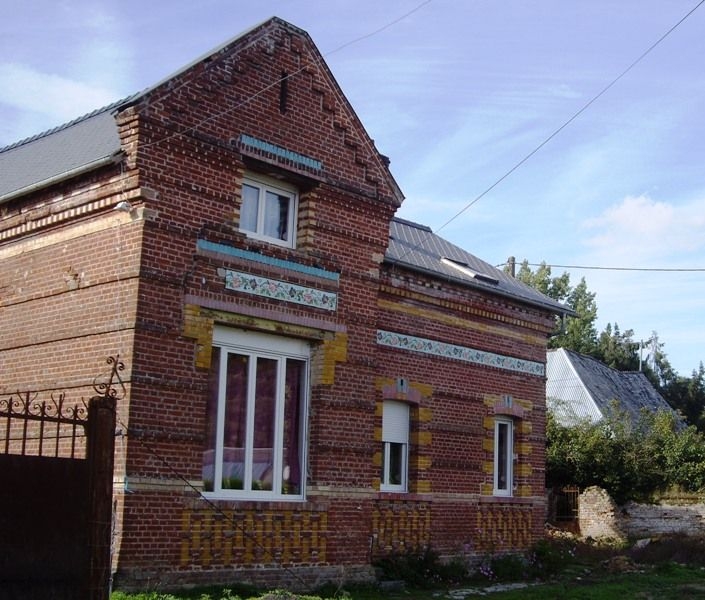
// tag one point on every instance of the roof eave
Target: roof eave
(39, 185)
(552, 308)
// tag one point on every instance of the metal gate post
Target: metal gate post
(99, 453)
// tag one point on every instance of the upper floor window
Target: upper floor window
(268, 210)
(503, 457)
(395, 446)
(256, 417)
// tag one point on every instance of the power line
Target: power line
(600, 268)
(572, 118)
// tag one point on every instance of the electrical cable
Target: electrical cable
(598, 268)
(573, 117)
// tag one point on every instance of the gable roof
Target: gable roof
(92, 140)
(581, 387)
(416, 247)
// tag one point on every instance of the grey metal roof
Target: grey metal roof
(584, 385)
(416, 247)
(80, 145)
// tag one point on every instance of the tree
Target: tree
(688, 396)
(618, 350)
(574, 332)
(579, 333)
(557, 288)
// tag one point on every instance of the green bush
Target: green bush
(632, 461)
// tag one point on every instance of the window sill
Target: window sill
(264, 504)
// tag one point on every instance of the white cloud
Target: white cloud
(640, 229)
(48, 94)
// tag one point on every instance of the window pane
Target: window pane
(250, 207)
(265, 419)
(396, 463)
(293, 426)
(208, 473)
(502, 456)
(276, 216)
(235, 425)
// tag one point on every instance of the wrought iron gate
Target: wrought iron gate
(56, 469)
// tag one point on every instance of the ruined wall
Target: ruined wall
(600, 517)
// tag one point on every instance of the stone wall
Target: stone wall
(600, 518)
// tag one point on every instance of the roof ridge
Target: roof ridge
(412, 224)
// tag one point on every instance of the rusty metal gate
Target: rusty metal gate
(56, 467)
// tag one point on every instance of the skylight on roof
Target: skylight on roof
(466, 270)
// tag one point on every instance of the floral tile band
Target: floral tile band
(462, 353)
(280, 290)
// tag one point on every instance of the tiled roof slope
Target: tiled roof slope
(416, 247)
(631, 390)
(54, 155)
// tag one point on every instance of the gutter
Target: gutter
(91, 166)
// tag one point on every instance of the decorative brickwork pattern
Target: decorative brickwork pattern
(252, 537)
(500, 528)
(399, 525)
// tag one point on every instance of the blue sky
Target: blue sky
(456, 93)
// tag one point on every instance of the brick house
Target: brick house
(310, 382)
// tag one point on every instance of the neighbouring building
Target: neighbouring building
(581, 388)
(310, 383)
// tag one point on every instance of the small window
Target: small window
(268, 210)
(256, 417)
(395, 446)
(503, 457)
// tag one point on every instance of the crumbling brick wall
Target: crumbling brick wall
(600, 517)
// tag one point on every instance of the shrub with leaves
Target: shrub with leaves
(632, 461)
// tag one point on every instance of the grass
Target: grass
(669, 568)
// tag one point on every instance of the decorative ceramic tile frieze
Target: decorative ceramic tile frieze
(462, 353)
(280, 290)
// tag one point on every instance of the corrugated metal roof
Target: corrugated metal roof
(416, 247)
(593, 381)
(566, 396)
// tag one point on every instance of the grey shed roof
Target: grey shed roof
(587, 388)
(416, 247)
(73, 148)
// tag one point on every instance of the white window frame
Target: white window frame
(264, 185)
(395, 430)
(253, 344)
(508, 462)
